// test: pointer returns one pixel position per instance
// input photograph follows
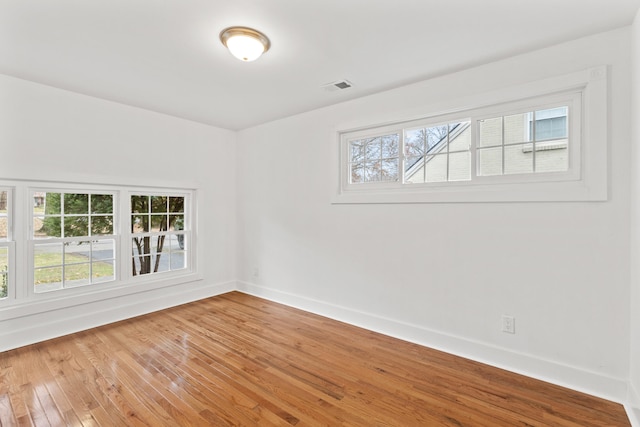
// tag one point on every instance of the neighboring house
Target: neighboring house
(38, 199)
(505, 146)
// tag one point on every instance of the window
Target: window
(158, 229)
(73, 239)
(374, 159)
(437, 153)
(5, 241)
(530, 148)
(511, 144)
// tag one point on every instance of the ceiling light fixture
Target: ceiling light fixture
(244, 43)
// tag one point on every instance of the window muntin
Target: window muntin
(73, 239)
(158, 233)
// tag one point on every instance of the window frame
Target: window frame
(33, 242)
(586, 95)
(10, 244)
(186, 232)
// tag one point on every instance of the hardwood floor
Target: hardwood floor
(240, 360)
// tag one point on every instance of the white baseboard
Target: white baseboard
(592, 383)
(633, 406)
(38, 327)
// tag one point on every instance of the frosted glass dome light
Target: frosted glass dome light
(244, 43)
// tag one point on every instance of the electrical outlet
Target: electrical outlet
(508, 324)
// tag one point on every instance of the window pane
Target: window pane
(356, 151)
(372, 172)
(490, 132)
(102, 250)
(373, 149)
(139, 223)
(460, 137)
(77, 252)
(415, 142)
(52, 205)
(77, 275)
(4, 258)
(552, 159)
(176, 204)
(178, 260)
(160, 262)
(460, 166)
(390, 145)
(101, 225)
(436, 168)
(44, 227)
(141, 245)
(490, 161)
(76, 226)
(47, 279)
(159, 222)
(48, 255)
(414, 169)
(4, 221)
(158, 204)
(4, 276)
(101, 203)
(551, 123)
(4, 226)
(142, 265)
(103, 271)
(436, 135)
(389, 170)
(139, 204)
(517, 160)
(515, 128)
(175, 242)
(76, 204)
(4, 284)
(176, 222)
(357, 173)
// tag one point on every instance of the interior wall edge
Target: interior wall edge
(70, 320)
(593, 383)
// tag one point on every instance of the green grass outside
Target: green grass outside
(76, 268)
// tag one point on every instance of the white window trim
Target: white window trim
(585, 181)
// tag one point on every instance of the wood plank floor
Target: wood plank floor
(240, 360)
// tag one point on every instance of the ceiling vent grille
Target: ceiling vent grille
(338, 85)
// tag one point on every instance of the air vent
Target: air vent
(339, 85)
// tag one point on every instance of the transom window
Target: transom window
(466, 150)
(544, 140)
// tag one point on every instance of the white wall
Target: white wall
(634, 389)
(443, 274)
(55, 135)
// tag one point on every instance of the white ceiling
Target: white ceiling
(165, 56)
